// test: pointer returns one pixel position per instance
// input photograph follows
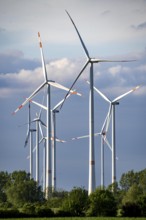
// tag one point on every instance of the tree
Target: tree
(133, 188)
(132, 195)
(4, 181)
(102, 203)
(142, 204)
(22, 190)
(128, 179)
(77, 202)
(131, 209)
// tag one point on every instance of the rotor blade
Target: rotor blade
(58, 140)
(63, 87)
(27, 138)
(75, 82)
(106, 141)
(121, 96)
(59, 103)
(42, 104)
(30, 97)
(104, 124)
(38, 104)
(108, 119)
(42, 58)
(93, 60)
(83, 45)
(42, 123)
(85, 136)
(100, 93)
(41, 131)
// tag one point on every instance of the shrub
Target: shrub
(102, 203)
(131, 210)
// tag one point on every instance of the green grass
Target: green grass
(77, 218)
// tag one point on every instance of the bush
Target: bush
(62, 213)
(10, 213)
(44, 212)
(131, 210)
(76, 203)
(102, 203)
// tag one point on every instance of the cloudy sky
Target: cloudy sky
(110, 29)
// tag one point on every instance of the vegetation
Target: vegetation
(21, 196)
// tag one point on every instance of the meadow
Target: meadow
(79, 218)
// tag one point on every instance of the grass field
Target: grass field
(78, 218)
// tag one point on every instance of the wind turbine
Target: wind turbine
(38, 122)
(48, 84)
(90, 61)
(30, 135)
(54, 110)
(102, 134)
(111, 113)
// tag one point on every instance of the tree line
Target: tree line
(21, 196)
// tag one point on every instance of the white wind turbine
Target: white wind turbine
(53, 138)
(30, 135)
(48, 84)
(102, 134)
(111, 113)
(43, 139)
(38, 123)
(91, 61)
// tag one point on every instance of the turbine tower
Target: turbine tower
(91, 61)
(48, 84)
(111, 113)
(54, 110)
(102, 134)
(38, 123)
(30, 135)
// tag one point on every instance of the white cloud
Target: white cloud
(65, 71)
(114, 70)
(142, 68)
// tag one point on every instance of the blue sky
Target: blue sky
(110, 29)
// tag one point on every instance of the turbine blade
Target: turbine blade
(42, 123)
(106, 141)
(42, 58)
(27, 138)
(59, 103)
(41, 131)
(126, 93)
(108, 118)
(58, 140)
(57, 85)
(75, 82)
(100, 93)
(29, 98)
(83, 45)
(38, 104)
(42, 104)
(104, 124)
(85, 136)
(28, 129)
(93, 60)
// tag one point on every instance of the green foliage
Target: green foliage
(133, 178)
(20, 196)
(102, 203)
(131, 209)
(142, 204)
(22, 190)
(132, 194)
(56, 200)
(4, 181)
(76, 203)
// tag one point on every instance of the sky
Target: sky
(110, 29)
